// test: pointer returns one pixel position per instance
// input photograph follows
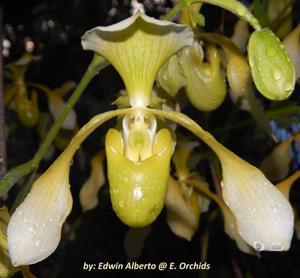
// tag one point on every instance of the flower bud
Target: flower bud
(272, 69)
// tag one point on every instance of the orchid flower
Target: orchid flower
(137, 154)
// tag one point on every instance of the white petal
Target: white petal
(34, 229)
(264, 217)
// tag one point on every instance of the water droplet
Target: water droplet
(121, 204)
(276, 247)
(15, 261)
(31, 229)
(25, 220)
(37, 242)
(50, 218)
(238, 216)
(115, 191)
(20, 212)
(137, 193)
(289, 87)
(277, 74)
(258, 246)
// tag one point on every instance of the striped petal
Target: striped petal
(137, 47)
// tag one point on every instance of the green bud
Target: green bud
(272, 69)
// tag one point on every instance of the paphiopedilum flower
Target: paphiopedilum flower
(138, 160)
(137, 47)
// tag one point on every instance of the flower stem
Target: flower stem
(174, 11)
(15, 174)
(236, 8)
